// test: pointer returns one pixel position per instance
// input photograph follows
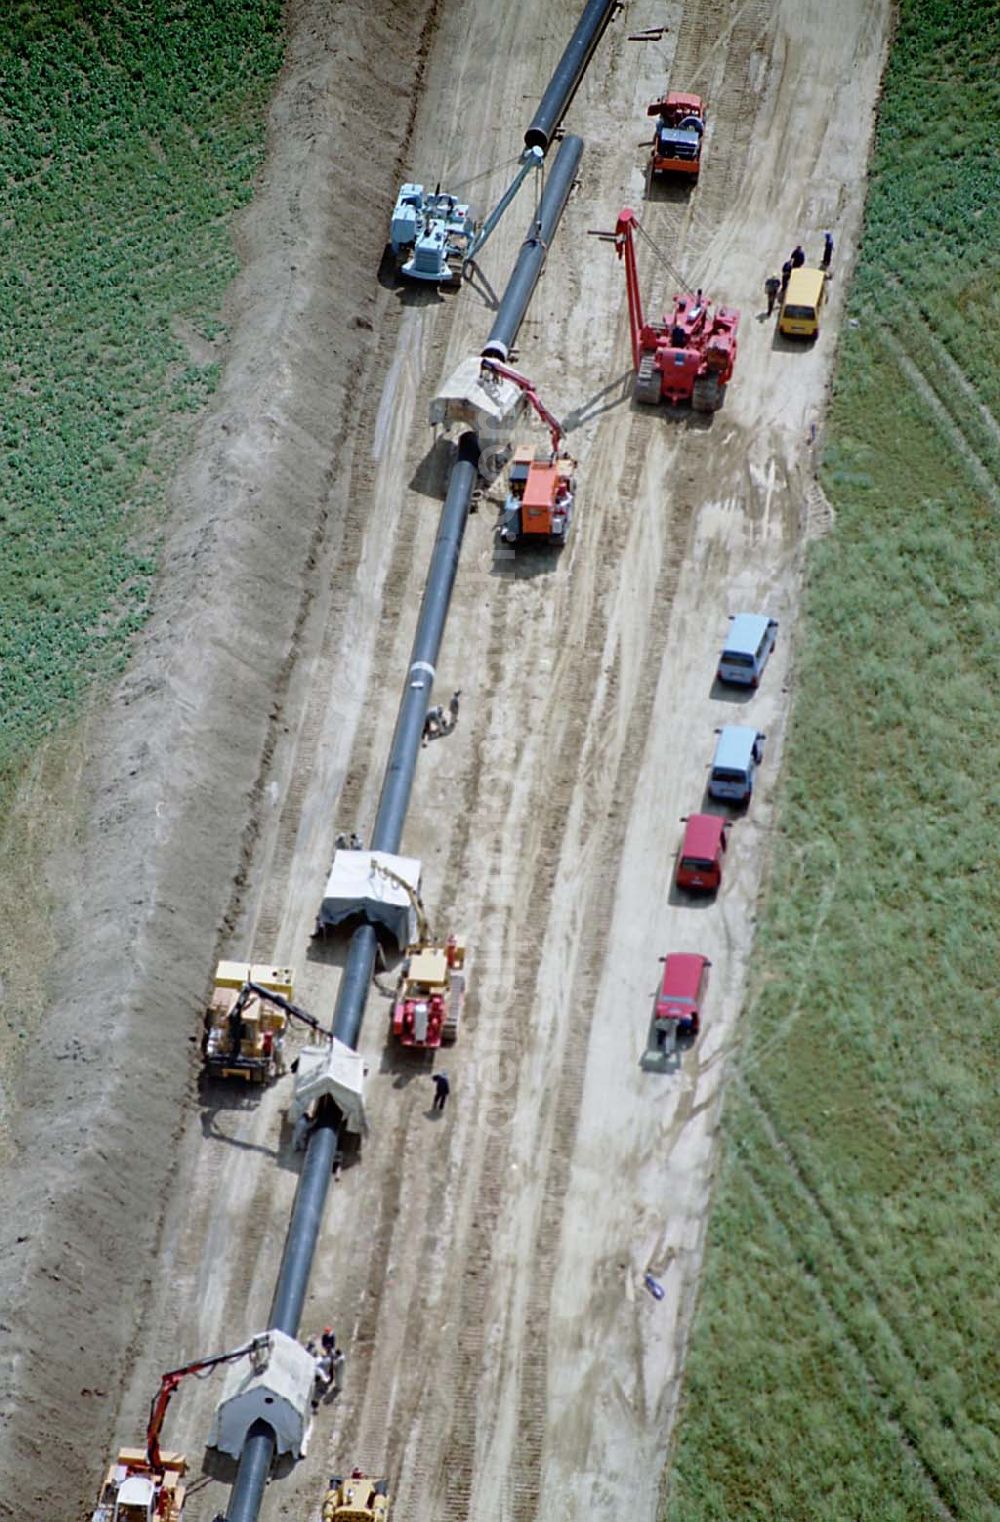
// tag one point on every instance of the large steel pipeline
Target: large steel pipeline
(524, 278)
(321, 1151)
(397, 785)
(569, 71)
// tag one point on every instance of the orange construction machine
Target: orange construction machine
(145, 1483)
(680, 127)
(542, 483)
(688, 357)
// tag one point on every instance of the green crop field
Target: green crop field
(843, 1365)
(130, 133)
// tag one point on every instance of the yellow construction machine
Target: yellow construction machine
(246, 1020)
(357, 1499)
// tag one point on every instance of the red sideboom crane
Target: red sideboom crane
(539, 503)
(688, 357)
(146, 1485)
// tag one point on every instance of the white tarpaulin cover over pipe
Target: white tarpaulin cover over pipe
(334, 1070)
(280, 1395)
(356, 887)
(485, 401)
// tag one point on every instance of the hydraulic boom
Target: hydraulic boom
(257, 1351)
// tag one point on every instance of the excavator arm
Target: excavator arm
(294, 1011)
(548, 418)
(257, 1351)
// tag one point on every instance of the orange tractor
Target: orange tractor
(542, 484)
(680, 127)
(688, 357)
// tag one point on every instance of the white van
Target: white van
(739, 751)
(749, 643)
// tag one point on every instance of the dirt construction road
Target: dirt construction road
(484, 1269)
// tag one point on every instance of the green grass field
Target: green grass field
(130, 133)
(843, 1366)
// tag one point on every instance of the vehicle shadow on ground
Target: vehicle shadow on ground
(681, 415)
(431, 476)
(524, 562)
(782, 344)
(727, 692)
(218, 1098)
(725, 808)
(663, 1056)
(682, 898)
(668, 190)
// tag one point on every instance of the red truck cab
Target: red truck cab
(702, 852)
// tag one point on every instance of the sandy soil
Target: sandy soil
(484, 1270)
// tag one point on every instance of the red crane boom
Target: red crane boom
(528, 387)
(256, 1351)
(625, 248)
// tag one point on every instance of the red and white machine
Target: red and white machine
(427, 1008)
(688, 357)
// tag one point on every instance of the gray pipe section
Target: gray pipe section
(569, 71)
(251, 1476)
(397, 785)
(521, 285)
(398, 782)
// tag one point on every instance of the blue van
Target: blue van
(739, 751)
(748, 644)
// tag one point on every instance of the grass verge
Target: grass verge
(130, 133)
(843, 1361)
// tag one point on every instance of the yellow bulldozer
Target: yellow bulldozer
(358, 1498)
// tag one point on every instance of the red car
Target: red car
(678, 1003)
(699, 861)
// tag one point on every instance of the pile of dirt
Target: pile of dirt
(177, 759)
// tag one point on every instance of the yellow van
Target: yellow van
(803, 298)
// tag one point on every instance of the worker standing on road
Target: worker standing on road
(798, 258)
(786, 275)
(772, 286)
(827, 250)
(322, 1376)
(328, 1341)
(453, 707)
(442, 1088)
(337, 1371)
